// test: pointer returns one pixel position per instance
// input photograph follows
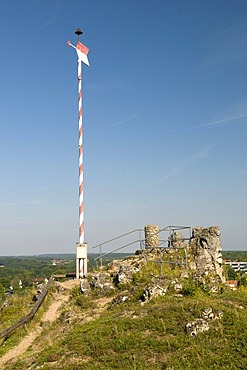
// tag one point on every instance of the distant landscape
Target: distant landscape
(28, 268)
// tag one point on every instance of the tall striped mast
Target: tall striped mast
(80, 136)
(81, 253)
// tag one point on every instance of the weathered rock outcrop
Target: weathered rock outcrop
(123, 270)
(192, 265)
(177, 240)
(202, 324)
(206, 251)
(103, 281)
(153, 291)
(197, 326)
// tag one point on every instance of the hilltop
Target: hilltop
(166, 309)
(105, 328)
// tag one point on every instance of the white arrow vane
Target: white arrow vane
(82, 52)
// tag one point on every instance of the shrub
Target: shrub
(189, 287)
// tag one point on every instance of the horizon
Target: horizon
(164, 120)
(94, 253)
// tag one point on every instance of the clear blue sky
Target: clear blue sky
(165, 120)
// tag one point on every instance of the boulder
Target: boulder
(125, 274)
(153, 291)
(201, 325)
(208, 314)
(102, 281)
(195, 327)
(176, 285)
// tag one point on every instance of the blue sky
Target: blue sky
(165, 120)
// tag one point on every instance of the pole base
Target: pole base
(81, 260)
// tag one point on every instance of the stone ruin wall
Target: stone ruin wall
(204, 248)
(151, 235)
(204, 264)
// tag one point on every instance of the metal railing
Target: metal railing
(168, 243)
(163, 243)
(124, 246)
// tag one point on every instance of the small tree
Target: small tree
(242, 279)
(1, 293)
(230, 273)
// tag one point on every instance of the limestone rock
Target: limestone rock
(195, 327)
(177, 240)
(176, 285)
(123, 270)
(208, 281)
(125, 274)
(102, 281)
(119, 299)
(151, 292)
(206, 251)
(202, 324)
(208, 314)
(84, 286)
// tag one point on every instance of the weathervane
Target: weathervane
(81, 250)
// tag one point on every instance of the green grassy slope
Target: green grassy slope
(150, 336)
(135, 335)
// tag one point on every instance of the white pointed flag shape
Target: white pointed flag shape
(82, 52)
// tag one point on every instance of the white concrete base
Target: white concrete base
(81, 260)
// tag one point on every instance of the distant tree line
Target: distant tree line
(26, 269)
(235, 255)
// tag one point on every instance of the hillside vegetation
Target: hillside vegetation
(114, 329)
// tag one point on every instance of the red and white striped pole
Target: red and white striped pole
(81, 185)
(81, 251)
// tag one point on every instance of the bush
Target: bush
(85, 302)
(242, 280)
(189, 287)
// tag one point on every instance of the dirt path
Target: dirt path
(49, 316)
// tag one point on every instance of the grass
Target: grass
(132, 336)
(20, 305)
